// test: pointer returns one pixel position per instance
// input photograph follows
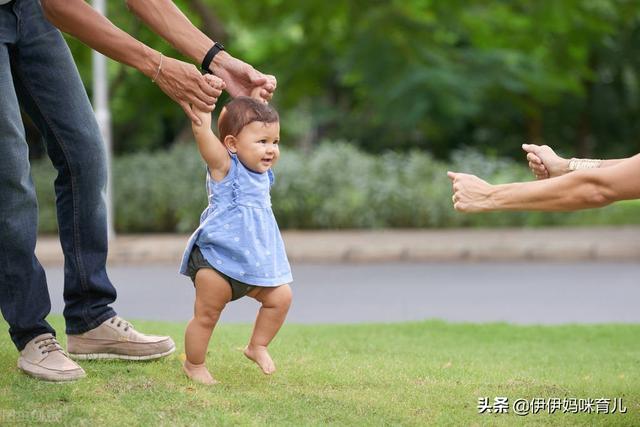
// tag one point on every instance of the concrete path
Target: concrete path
(517, 292)
(568, 244)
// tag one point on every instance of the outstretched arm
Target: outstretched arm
(583, 189)
(545, 163)
(182, 82)
(166, 20)
(211, 149)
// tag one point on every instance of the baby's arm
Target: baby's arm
(211, 149)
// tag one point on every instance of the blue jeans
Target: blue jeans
(38, 74)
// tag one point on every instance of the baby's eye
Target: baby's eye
(276, 142)
(262, 141)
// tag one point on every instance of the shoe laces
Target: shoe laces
(121, 323)
(48, 344)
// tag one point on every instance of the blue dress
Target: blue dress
(238, 234)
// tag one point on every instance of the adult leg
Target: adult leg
(212, 294)
(275, 306)
(24, 297)
(50, 90)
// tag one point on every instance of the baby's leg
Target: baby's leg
(212, 294)
(275, 305)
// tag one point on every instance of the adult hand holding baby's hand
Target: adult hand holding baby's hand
(203, 116)
(242, 79)
(257, 94)
(184, 84)
(216, 83)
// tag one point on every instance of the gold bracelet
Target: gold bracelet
(576, 164)
(153, 80)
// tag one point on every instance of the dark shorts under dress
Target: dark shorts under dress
(198, 261)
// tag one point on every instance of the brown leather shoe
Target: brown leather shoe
(116, 339)
(44, 358)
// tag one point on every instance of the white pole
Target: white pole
(103, 116)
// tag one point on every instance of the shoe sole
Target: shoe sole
(24, 366)
(107, 356)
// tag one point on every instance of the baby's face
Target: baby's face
(257, 145)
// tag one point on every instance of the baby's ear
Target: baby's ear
(231, 143)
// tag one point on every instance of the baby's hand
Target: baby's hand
(204, 116)
(257, 93)
(214, 82)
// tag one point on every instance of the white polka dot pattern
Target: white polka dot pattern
(238, 233)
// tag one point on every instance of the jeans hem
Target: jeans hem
(22, 342)
(93, 324)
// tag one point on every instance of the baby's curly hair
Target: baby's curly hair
(242, 111)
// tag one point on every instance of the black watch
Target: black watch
(206, 62)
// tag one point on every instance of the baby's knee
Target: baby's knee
(280, 297)
(207, 317)
(287, 295)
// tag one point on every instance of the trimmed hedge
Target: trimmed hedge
(333, 186)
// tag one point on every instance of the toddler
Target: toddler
(237, 250)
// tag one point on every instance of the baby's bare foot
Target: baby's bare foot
(198, 373)
(260, 355)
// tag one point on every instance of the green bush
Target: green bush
(159, 192)
(333, 186)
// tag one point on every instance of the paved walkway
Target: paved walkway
(549, 244)
(514, 292)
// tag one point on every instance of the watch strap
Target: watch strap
(206, 62)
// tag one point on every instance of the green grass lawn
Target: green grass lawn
(425, 373)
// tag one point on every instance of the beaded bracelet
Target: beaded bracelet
(576, 164)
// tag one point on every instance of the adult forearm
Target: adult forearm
(582, 189)
(166, 20)
(80, 20)
(611, 162)
(579, 190)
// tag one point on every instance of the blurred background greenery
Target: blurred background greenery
(378, 99)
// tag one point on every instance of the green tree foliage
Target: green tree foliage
(415, 74)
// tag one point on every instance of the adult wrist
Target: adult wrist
(150, 63)
(158, 70)
(493, 198)
(221, 59)
(208, 62)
